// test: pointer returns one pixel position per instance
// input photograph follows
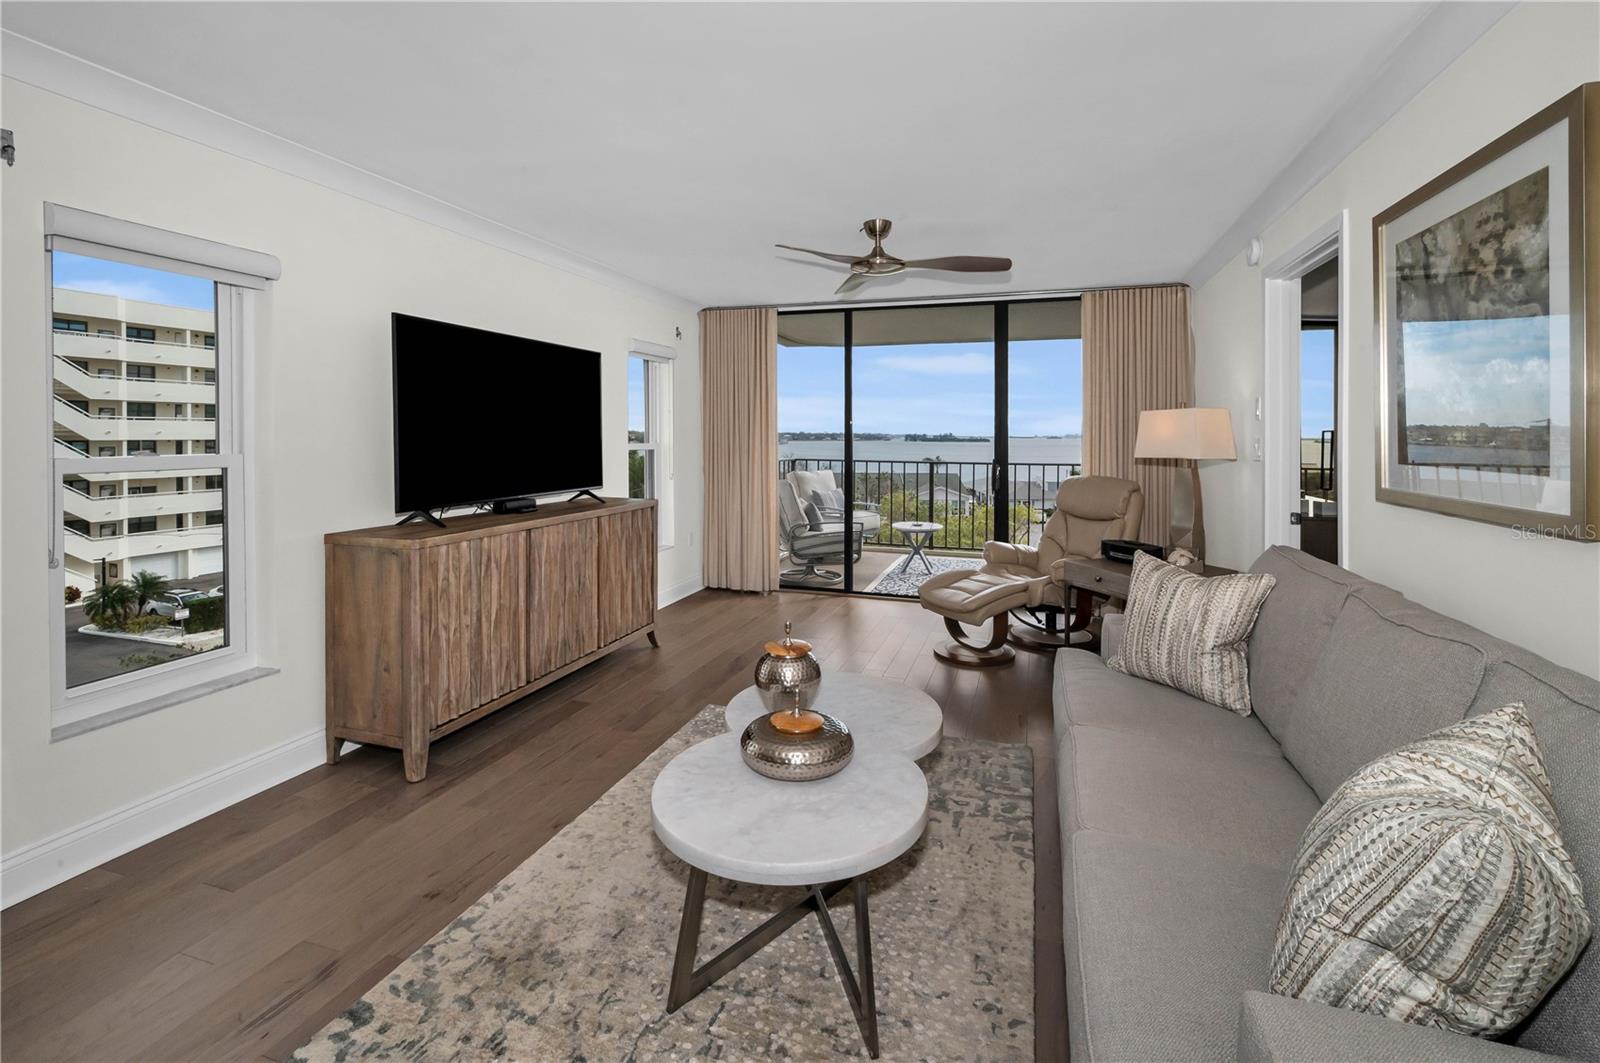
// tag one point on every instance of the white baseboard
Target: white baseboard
(682, 590)
(35, 868)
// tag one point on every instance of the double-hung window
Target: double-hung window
(650, 430)
(110, 660)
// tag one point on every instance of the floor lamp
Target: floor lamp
(1192, 435)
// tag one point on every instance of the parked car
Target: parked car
(215, 592)
(168, 602)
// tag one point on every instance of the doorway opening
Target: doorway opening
(1304, 448)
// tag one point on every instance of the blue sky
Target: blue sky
(932, 388)
(636, 414)
(132, 282)
(1495, 372)
(1316, 382)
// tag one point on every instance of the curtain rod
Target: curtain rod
(921, 300)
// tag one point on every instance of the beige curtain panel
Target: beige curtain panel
(739, 408)
(1138, 354)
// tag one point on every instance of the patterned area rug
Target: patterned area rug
(905, 584)
(568, 957)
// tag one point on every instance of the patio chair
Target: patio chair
(1088, 510)
(818, 487)
(811, 541)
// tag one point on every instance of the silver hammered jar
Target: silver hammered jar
(787, 672)
(792, 757)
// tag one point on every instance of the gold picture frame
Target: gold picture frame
(1486, 286)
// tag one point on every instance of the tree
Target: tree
(146, 585)
(635, 474)
(109, 604)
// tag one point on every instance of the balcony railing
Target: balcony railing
(956, 494)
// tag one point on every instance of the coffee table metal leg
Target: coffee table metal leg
(869, 988)
(683, 972)
(862, 995)
(689, 982)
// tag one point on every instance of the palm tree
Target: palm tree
(109, 604)
(146, 585)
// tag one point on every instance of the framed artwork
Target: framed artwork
(1488, 331)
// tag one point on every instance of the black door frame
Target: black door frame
(1000, 485)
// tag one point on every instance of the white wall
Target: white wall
(1541, 594)
(324, 429)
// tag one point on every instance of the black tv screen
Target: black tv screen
(481, 416)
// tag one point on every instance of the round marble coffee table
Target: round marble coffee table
(880, 713)
(721, 818)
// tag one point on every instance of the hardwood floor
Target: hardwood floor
(241, 935)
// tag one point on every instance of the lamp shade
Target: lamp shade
(1203, 433)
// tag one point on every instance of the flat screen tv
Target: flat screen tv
(481, 416)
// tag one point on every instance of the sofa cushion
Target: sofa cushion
(1434, 888)
(1565, 709)
(1250, 805)
(1292, 629)
(1391, 673)
(1089, 694)
(1189, 632)
(1162, 941)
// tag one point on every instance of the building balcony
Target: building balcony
(101, 509)
(97, 429)
(91, 548)
(117, 349)
(70, 379)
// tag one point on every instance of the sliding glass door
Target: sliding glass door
(911, 436)
(923, 441)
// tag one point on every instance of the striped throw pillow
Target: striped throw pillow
(1189, 631)
(1434, 887)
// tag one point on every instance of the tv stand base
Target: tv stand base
(588, 492)
(419, 514)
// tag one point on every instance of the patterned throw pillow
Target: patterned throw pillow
(1434, 888)
(1188, 631)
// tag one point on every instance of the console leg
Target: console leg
(416, 761)
(651, 635)
(333, 748)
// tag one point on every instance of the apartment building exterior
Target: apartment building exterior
(136, 378)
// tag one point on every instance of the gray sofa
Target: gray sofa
(1179, 821)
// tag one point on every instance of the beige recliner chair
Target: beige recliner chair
(1018, 579)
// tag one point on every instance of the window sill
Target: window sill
(161, 701)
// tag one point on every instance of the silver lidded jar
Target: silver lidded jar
(781, 746)
(788, 675)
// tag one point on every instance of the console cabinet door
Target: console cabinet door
(627, 572)
(502, 565)
(562, 618)
(448, 614)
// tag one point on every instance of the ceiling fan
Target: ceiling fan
(879, 263)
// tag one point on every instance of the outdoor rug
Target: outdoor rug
(568, 957)
(905, 584)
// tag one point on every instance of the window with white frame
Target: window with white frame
(650, 430)
(168, 488)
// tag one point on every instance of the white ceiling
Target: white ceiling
(675, 143)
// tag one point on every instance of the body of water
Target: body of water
(1434, 454)
(1024, 450)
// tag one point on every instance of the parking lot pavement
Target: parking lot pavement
(92, 657)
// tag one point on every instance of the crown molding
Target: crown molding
(53, 70)
(1437, 41)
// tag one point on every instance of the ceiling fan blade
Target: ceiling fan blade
(851, 283)
(962, 264)
(820, 254)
